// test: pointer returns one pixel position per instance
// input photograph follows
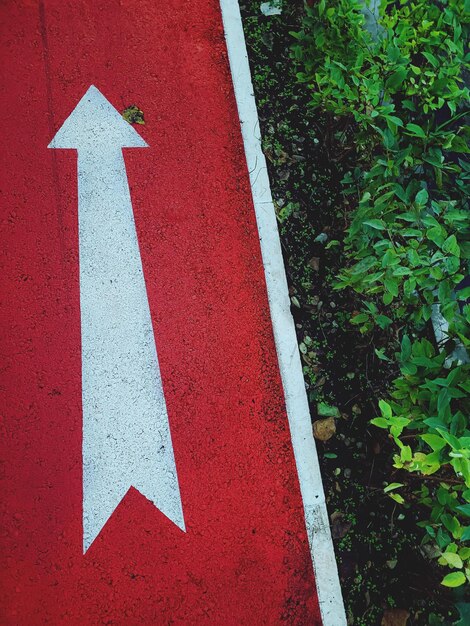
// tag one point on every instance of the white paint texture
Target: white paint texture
(326, 573)
(126, 432)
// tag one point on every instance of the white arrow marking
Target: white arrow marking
(126, 433)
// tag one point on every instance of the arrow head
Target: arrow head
(95, 123)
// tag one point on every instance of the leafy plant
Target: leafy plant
(427, 417)
(400, 94)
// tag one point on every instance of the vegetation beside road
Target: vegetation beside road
(366, 140)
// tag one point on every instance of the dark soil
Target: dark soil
(376, 540)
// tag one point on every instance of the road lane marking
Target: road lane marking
(316, 515)
(126, 432)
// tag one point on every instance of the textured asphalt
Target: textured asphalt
(244, 558)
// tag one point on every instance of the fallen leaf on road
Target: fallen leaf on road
(133, 115)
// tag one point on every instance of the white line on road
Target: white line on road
(316, 516)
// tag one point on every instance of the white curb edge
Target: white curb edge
(316, 516)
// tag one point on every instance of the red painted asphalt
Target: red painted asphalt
(245, 557)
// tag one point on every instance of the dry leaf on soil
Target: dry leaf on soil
(324, 429)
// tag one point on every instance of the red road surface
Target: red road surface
(245, 557)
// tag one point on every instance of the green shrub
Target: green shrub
(403, 97)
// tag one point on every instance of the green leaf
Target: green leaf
(452, 559)
(380, 422)
(453, 442)
(333, 243)
(391, 286)
(444, 291)
(360, 318)
(464, 554)
(465, 509)
(381, 354)
(405, 348)
(431, 58)
(385, 409)
(393, 121)
(390, 258)
(451, 246)
(455, 579)
(422, 197)
(442, 539)
(325, 410)
(416, 130)
(406, 454)
(464, 293)
(377, 224)
(383, 321)
(436, 234)
(397, 497)
(451, 523)
(392, 486)
(413, 257)
(394, 81)
(434, 441)
(408, 104)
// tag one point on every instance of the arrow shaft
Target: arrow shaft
(115, 316)
(112, 287)
(126, 436)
